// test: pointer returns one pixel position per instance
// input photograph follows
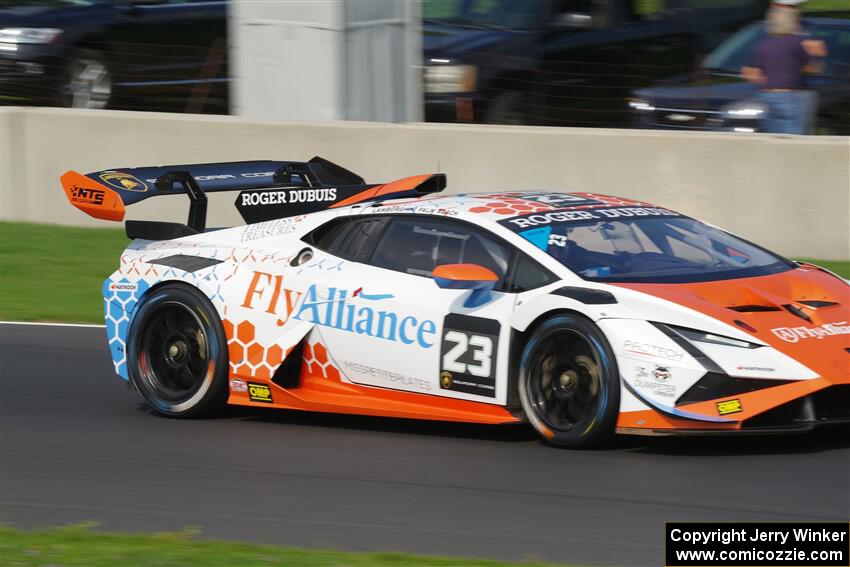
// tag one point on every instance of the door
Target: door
(385, 322)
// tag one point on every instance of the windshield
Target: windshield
(672, 249)
(512, 14)
(735, 52)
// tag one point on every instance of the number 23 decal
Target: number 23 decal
(481, 348)
(469, 355)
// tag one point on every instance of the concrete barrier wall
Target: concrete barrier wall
(789, 193)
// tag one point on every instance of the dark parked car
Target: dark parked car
(716, 98)
(137, 54)
(562, 62)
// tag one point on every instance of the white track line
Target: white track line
(88, 326)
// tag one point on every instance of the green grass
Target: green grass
(840, 267)
(815, 5)
(53, 273)
(80, 545)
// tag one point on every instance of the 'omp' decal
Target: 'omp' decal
(729, 406)
(259, 393)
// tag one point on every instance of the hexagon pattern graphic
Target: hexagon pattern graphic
(510, 206)
(119, 300)
(248, 357)
(318, 363)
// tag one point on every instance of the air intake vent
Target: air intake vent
(794, 310)
(753, 308)
(717, 385)
(818, 304)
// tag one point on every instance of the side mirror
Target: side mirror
(477, 278)
(573, 21)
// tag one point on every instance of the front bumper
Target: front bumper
(825, 407)
(689, 119)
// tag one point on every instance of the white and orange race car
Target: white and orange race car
(579, 313)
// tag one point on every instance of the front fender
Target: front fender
(530, 309)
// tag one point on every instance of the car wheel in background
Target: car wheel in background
(569, 383)
(88, 82)
(176, 353)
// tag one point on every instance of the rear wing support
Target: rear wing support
(197, 198)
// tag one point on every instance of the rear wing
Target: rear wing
(268, 190)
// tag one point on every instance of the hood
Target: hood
(704, 96)
(803, 313)
(448, 41)
(62, 14)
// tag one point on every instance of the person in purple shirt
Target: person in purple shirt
(778, 65)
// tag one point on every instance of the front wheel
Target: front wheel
(569, 383)
(176, 354)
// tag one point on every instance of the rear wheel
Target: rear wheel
(176, 353)
(569, 383)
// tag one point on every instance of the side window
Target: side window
(347, 237)
(528, 274)
(417, 246)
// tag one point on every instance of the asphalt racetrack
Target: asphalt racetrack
(78, 445)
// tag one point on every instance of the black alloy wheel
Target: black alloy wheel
(569, 382)
(176, 353)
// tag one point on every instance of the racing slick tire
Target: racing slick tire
(569, 383)
(177, 353)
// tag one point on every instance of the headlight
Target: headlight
(28, 35)
(640, 104)
(449, 78)
(701, 337)
(744, 111)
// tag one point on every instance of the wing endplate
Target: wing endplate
(91, 197)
